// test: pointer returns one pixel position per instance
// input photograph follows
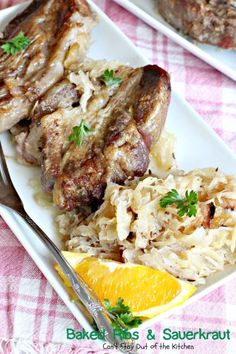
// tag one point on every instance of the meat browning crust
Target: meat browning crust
(212, 21)
(119, 149)
(54, 27)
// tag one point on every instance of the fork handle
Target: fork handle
(83, 291)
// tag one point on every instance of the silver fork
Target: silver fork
(10, 199)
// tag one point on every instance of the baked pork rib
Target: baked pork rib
(124, 122)
(55, 28)
(123, 132)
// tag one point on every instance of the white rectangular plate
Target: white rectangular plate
(221, 59)
(197, 146)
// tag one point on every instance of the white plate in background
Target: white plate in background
(197, 146)
(222, 59)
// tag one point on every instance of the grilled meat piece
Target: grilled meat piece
(53, 116)
(56, 127)
(207, 21)
(118, 148)
(56, 28)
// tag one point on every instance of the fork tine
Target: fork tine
(8, 195)
(4, 166)
(2, 183)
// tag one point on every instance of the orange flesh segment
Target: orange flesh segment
(141, 287)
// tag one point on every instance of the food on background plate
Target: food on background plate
(146, 291)
(212, 22)
(33, 51)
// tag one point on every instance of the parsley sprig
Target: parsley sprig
(16, 44)
(187, 205)
(78, 133)
(123, 317)
(109, 79)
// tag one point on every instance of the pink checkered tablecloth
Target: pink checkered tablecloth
(32, 317)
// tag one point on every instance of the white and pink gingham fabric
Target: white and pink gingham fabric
(32, 317)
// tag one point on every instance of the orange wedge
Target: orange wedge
(148, 292)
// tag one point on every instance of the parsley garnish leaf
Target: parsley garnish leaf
(16, 44)
(129, 320)
(123, 317)
(187, 205)
(119, 308)
(78, 133)
(109, 79)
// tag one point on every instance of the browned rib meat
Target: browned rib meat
(207, 21)
(61, 95)
(118, 149)
(55, 128)
(28, 139)
(55, 28)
